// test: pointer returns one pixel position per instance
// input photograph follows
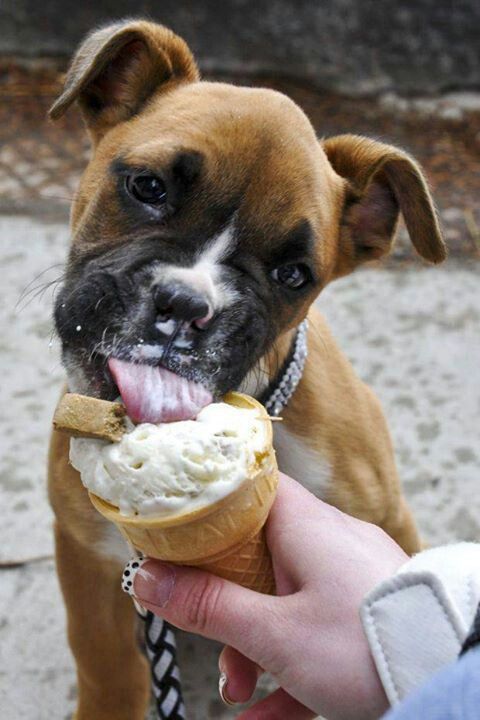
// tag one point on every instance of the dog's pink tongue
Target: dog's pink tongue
(154, 394)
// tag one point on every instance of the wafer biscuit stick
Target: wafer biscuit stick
(84, 416)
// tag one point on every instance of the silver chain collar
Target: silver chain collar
(291, 377)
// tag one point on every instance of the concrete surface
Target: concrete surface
(351, 46)
(413, 334)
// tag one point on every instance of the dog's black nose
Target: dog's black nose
(177, 302)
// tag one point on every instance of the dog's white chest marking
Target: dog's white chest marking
(256, 380)
(302, 462)
(113, 545)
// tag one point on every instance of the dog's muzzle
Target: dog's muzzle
(168, 345)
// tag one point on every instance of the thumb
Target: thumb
(204, 604)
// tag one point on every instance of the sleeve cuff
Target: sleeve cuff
(416, 621)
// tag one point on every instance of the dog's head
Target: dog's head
(207, 221)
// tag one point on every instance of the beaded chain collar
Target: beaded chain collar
(281, 389)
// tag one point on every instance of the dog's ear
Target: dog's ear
(382, 181)
(117, 69)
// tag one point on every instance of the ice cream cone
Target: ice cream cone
(226, 537)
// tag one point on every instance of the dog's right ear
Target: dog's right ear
(118, 68)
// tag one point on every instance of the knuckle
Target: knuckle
(202, 604)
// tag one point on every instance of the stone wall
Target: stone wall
(351, 46)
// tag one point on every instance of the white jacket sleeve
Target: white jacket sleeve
(416, 621)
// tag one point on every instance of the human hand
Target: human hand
(309, 637)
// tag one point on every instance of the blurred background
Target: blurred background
(403, 71)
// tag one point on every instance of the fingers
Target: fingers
(201, 603)
(278, 706)
(241, 675)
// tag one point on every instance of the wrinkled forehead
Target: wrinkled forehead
(225, 118)
(256, 147)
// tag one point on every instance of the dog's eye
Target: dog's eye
(292, 276)
(148, 189)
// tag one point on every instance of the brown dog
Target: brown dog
(207, 221)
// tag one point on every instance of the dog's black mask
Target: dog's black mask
(107, 307)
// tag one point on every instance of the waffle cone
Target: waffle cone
(227, 537)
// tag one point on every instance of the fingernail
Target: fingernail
(222, 689)
(128, 577)
(153, 582)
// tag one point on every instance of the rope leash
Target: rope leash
(165, 674)
(161, 651)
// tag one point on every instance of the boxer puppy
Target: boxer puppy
(208, 220)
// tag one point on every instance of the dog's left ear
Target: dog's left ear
(382, 181)
(118, 68)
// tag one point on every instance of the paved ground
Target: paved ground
(413, 333)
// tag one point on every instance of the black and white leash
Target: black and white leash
(161, 650)
(165, 674)
(159, 635)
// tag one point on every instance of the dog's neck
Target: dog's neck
(275, 377)
(281, 388)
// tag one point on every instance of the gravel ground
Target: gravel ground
(413, 333)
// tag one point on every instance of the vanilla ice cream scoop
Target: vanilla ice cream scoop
(175, 467)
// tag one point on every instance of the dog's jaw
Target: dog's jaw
(88, 376)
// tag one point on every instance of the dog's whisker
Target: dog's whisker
(62, 198)
(53, 335)
(97, 304)
(35, 293)
(28, 289)
(319, 336)
(40, 274)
